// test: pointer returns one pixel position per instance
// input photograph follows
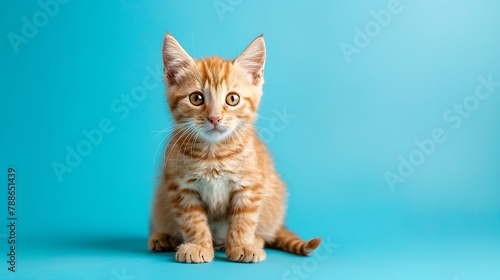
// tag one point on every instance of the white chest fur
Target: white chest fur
(215, 193)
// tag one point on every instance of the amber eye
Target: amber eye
(232, 99)
(196, 98)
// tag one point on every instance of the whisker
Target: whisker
(258, 138)
(182, 131)
(168, 129)
(263, 118)
(190, 136)
(182, 146)
(158, 147)
(244, 158)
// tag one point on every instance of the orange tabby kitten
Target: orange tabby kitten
(219, 188)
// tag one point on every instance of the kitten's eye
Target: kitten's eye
(232, 99)
(196, 98)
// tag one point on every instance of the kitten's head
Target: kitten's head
(212, 97)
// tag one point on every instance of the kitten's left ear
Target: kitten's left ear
(252, 60)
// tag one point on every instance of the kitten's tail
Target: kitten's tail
(290, 242)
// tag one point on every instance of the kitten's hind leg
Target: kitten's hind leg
(162, 242)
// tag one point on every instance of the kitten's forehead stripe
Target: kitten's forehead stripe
(227, 70)
(215, 71)
(204, 73)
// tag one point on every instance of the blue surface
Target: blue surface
(96, 65)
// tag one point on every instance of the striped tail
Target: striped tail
(290, 242)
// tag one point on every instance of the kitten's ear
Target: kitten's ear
(175, 59)
(252, 60)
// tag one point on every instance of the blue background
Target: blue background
(352, 121)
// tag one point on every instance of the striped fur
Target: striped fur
(219, 188)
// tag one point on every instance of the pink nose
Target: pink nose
(214, 120)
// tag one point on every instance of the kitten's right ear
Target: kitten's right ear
(175, 59)
(252, 60)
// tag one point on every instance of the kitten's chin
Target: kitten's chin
(215, 135)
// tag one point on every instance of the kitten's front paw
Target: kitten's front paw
(246, 254)
(193, 253)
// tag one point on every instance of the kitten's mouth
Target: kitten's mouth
(217, 129)
(215, 134)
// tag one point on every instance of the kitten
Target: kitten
(219, 188)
